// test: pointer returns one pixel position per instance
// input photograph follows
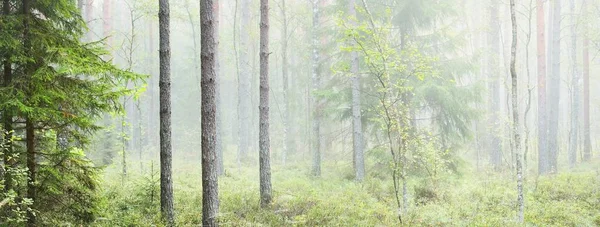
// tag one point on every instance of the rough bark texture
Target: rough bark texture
(316, 122)
(574, 132)
(515, 112)
(210, 196)
(543, 159)
(554, 89)
(244, 76)
(587, 141)
(264, 142)
(495, 142)
(219, 114)
(284, 72)
(166, 180)
(359, 159)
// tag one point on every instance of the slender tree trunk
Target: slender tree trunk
(357, 136)
(88, 18)
(6, 115)
(244, 76)
(284, 72)
(107, 20)
(587, 144)
(264, 141)
(515, 110)
(316, 122)
(80, 6)
(31, 171)
(166, 179)
(29, 124)
(210, 193)
(543, 157)
(554, 89)
(495, 143)
(219, 114)
(574, 134)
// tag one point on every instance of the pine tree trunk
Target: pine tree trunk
(543, 157)
(316, 122)
(357, 136)
(210, 196)
(88, 18)
(554, 89)
(574, 134)
(244, 76)
(166, 179)
(80, 6)
(515, 110)
(495, 142)
(29, 124)
(6, 116)
(587, 144)
(264, 141)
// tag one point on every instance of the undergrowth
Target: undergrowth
(478, 199)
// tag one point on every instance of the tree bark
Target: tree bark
(244, 76)
(29, 123)
(587, 141)
(316, 122)
(166, 179)
(210, 196)
(357, 136)
(554, 89)
(6, 115)
(515, 110)
(495, 142)
(543, 159)
(574, 133)
(264, 141)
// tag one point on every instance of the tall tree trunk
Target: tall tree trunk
(107, 20)
(554, 88)
(210, 186)
(574, 134)
(29, 123)
(495, 142)
(80, 6)
(543, 157)
(6, 115)
(515, 110)
(357, 136)
(244, 76)
(264, 141)
(284, 72)
(219, 114)
(88, 18)
(166, 179)
(316, 122)
(587, 144)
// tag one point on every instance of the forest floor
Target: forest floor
(480, 198)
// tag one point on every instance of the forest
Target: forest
(299, 113)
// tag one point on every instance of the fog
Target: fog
(380, 113)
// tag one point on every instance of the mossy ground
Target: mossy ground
(477, 198)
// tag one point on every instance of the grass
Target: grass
(476, 199)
